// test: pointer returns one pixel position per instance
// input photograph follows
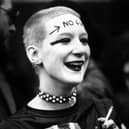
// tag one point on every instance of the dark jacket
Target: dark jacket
(83, 114)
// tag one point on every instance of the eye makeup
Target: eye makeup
(63, 40)
(84, 41)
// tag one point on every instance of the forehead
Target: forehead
(63, 23)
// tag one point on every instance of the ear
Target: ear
(33, 54)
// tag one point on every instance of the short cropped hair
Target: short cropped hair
(34, 31)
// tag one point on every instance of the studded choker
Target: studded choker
(57, 99)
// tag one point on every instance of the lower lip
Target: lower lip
(76, 69)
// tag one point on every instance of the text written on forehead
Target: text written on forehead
(65, 24)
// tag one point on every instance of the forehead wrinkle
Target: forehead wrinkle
(70, 34)
(65, 34)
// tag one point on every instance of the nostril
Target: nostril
(78, 54)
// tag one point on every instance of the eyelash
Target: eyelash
(84, 41)
(64, 41)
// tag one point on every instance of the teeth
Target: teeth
(74, 65)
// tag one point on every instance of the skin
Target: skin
(64, 51)
(70, 41)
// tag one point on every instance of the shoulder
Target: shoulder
(91, 102)
(8, 124)
(15, 121)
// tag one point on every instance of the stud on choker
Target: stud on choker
(57, 99)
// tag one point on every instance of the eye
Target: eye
(63, 41)
(84, 41)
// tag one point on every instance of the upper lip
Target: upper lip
(76, 62)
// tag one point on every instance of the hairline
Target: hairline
(43, 16)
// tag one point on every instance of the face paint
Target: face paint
(65, 51)
(57, 26)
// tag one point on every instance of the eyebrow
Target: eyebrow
(54, 42)
(84, 34)
(66, 34)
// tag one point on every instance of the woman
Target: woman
(56, 43)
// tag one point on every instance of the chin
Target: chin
(75, 81)
(72, 77)
(78, 81)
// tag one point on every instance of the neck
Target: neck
(55, 87)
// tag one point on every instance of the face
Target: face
(6, 25)
(126, 72)
(65, 51)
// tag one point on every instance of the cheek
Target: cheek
(54, 54)
(47, 57)
(88, 50)
(50, 58)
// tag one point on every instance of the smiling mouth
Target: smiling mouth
(74, 65)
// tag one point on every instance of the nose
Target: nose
(12, 28)
(81, 49)
(78, 54)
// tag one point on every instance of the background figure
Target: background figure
(115, 66)
(96, 82)
(7, 102)
(14, 64)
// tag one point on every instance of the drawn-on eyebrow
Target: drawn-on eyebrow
(60, 40)
(55, 42)
(64, 37)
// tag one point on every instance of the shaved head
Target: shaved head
(34, 31)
